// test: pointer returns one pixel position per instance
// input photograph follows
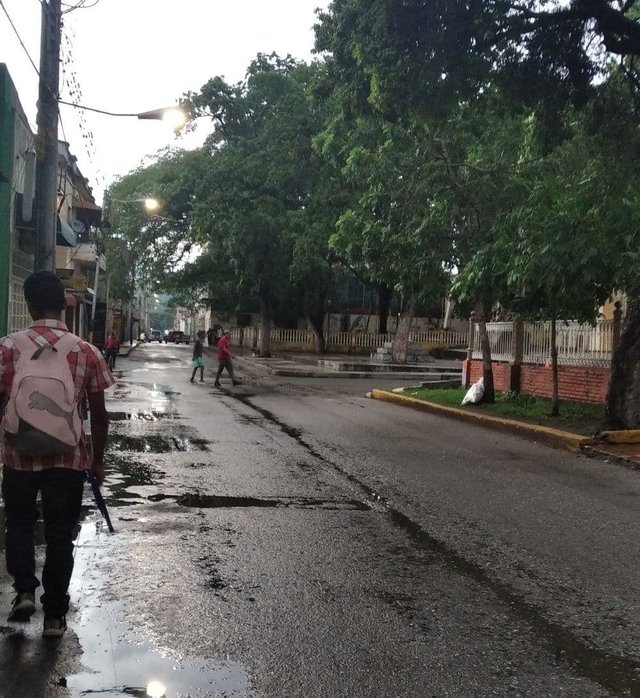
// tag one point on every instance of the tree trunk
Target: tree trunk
(487, 367)
(264, 349)
(315, 303)
(555, 401)
(319, 343)
(384, 303)
(622, 408)
(401, 342)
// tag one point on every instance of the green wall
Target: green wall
(7, 134)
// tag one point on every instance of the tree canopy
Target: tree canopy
(480, 148)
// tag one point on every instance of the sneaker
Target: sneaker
(54, 627)
(237, 383)
(24, 606)
(217, 385)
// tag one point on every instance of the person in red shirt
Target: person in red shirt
(111, 349)
(225, 358)
(58, 476)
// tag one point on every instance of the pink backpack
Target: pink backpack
(41, 417)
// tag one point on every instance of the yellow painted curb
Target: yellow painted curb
(555, 437)
(624, 436)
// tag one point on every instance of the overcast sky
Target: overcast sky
(138, 55)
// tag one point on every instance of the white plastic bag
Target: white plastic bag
(474, 394)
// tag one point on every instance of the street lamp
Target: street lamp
(174, 117)
(150, 203)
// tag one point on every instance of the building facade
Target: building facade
(78, 263)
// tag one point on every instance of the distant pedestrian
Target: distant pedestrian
(210, 337)
(217, 334)
(46, 372)
(111, 349)
(198, 363)
(225, 358)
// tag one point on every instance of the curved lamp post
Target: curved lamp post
(174, 117)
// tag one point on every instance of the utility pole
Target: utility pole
(47, 137)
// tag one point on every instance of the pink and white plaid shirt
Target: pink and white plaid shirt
(90, 375)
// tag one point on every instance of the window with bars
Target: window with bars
(19, 318)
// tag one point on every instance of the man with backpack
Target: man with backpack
(45, 374)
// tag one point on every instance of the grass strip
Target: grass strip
(577, 417)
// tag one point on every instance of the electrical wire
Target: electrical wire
(82, 5)
(17, 33)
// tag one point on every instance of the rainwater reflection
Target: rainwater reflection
(120, 662)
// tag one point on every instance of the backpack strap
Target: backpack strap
(23, 342)
(67, 343)
(26, 344)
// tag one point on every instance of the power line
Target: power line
(71, 83)
(81, 5)
(15, 31)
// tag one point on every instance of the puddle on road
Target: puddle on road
(125, 472)
(119, 662)
(150, 416)
(204, 501)
(156, 443)
(159, 397)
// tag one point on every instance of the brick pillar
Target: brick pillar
(515, 364)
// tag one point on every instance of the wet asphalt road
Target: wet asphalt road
(290, 537)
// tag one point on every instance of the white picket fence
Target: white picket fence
(348, 341)
(578, 344)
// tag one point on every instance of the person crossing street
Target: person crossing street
(198, 362)
(225, 359)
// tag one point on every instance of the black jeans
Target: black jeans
(222, 364)
(111, 355)
(61, 490)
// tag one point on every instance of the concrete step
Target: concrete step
(444, 383)
(374, 367)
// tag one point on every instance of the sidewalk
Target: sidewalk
(306, 366)
(126, 349)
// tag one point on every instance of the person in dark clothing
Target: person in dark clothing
(210, 337)
(40, 463)
(198, 363)
(225, 358)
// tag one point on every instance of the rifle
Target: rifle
(100, 503)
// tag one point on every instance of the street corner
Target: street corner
(551, 436)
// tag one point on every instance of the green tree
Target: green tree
(396, 230)
(146, 246)
(258, 200)
(556, 251)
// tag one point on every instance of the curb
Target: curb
(553, 437)
(624, 436)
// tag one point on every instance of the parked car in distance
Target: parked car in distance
(155, 336)
(177, 336)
